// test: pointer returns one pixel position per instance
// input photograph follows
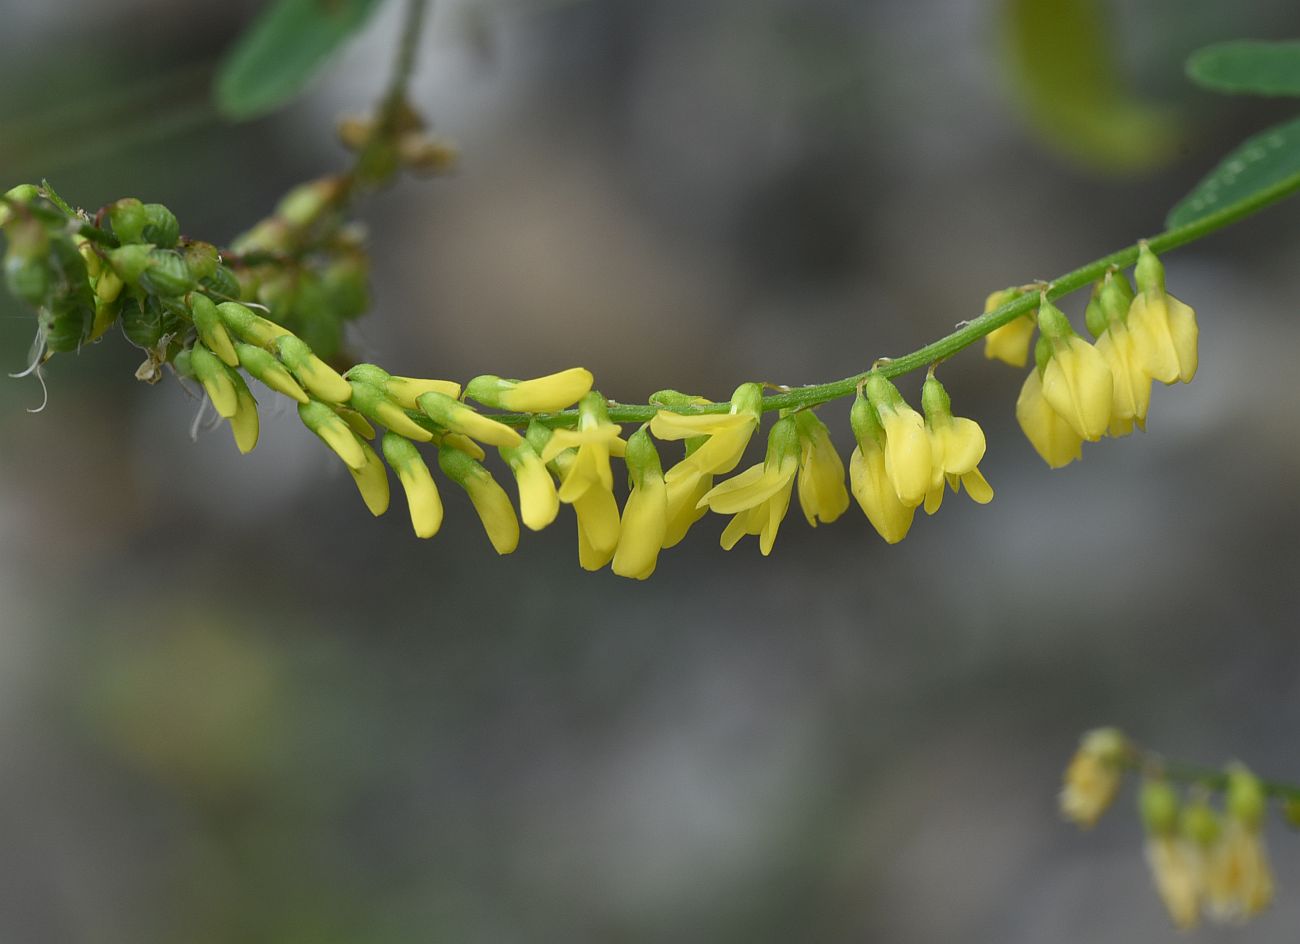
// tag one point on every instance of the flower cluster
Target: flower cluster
(1203, 860)
(1079, 392)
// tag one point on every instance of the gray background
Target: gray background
(235, 708)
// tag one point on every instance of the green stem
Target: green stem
(1208, 777)
(969, 332)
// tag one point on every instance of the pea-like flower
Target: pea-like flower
(1076, 381)
(1239, 879)
(889, 515)
(1010, 342)
(822, 495)
(1118, 346)
(1165, 328)
(1093, 777)
(645, 516)
(489, 499)
(1174, 859)
(422, 498)
(909, 460)
(759, 497)
(538, 395)
(957, 446)
(538, 501)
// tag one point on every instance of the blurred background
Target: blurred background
(233, 707)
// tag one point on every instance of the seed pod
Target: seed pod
(167, 274)
(129, 262)
(66, 324)
(142, 321)
(201, 259)
(69, 307)
(127, 219)
(161, 227)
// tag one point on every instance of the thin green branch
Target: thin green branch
(969, 332)
(1208, 777)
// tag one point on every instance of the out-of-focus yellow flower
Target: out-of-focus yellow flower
(909, 461)
(1093, 777)
(1076, 381)
(1164, 328)
(539, 395)
(956, 445)
(538, 501)
(871, 485)
(1239, 879)
(759, 497)
(422, 498)
(1174, 859)
(489, 499)
(1009, 343)
(822, 495)
(1052, 437)
(456, 417)
(645, 516)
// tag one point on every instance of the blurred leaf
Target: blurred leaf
(1068, 81)
(1253, 68)
(283, 50)
(1261, 161)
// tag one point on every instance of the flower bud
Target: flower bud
(645, 516)
(334, 432)
(130, 261)
(1158, 803)
(404, 391)
(908, 457)
(370, 402)
(822, 495)
(312, 372)
(489, 499)
(223, 284)
(539, 502)
(372, 480)
(201, 259)
(304, 204)
(459, 418)
(217, 379)
(160, 226)
(252, 328)
(244, 424)
(422, 498)
(539, 395)
(1010, 342)
(260, 364)
(1245, 801)
(212, 332)
(127, 219)
(1093, 776)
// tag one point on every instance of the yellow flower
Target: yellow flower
(1178, 871)
(244, 424)
(728, 434)
(586, 481)
(456, 417)
(321, 380)
(1076, 381)
(375, 405)
(759, 497)
(372, 481)
(683, 495)
(334, 431)
(207, 322)
(957, 446)
(538, 501)
(909, 461)
(1108, 321)
(645, 516)
(539, 395)
(1093, 777)
(1164, 328)
(489, 499)
(1052, 437)
(1239, 879)
(822, 495)
(260, 364)
(217, 379)
(1009, 343)
(871, 486)
(422, 498)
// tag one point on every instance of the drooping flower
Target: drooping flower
(489, 499)
(727, 435)
(645, 516)
(683, 498)
(909, 461)
(759, 497)
(1239, 878)
(538, 395)
(1173, 858)
(890, 516)
(822, 495)
(957, 446)
(456, 417)
(1076, 381)
(1051, 436)
(1009, 343)
(1164, 328)
(1093, 777)
(539, 502)
(422, 498)
(1108, 312)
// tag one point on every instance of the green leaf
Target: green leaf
(281, 52)
(1253, 68)
(1066, 77)
(1261, 161)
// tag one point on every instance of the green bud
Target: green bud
(129, 262)
(201, 259)
(1158, 802)
(1200, 824)
(1246, 801)
(642, 457)
(161, 227)
(368, 373)
(782, 440)
(883, 393)
(304, 204)
(262, 364)
(252, 328)
(127, 219)
(1094, 317)
(748, 398)
(223, 284)
(1149, 271)
(1042, 353)
(1052, 321)
(934, 399)
(866, 427)
(23, 193)
(1116, 297)
(211, 329)
(167, 275)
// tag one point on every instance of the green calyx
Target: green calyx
(1159, 806)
